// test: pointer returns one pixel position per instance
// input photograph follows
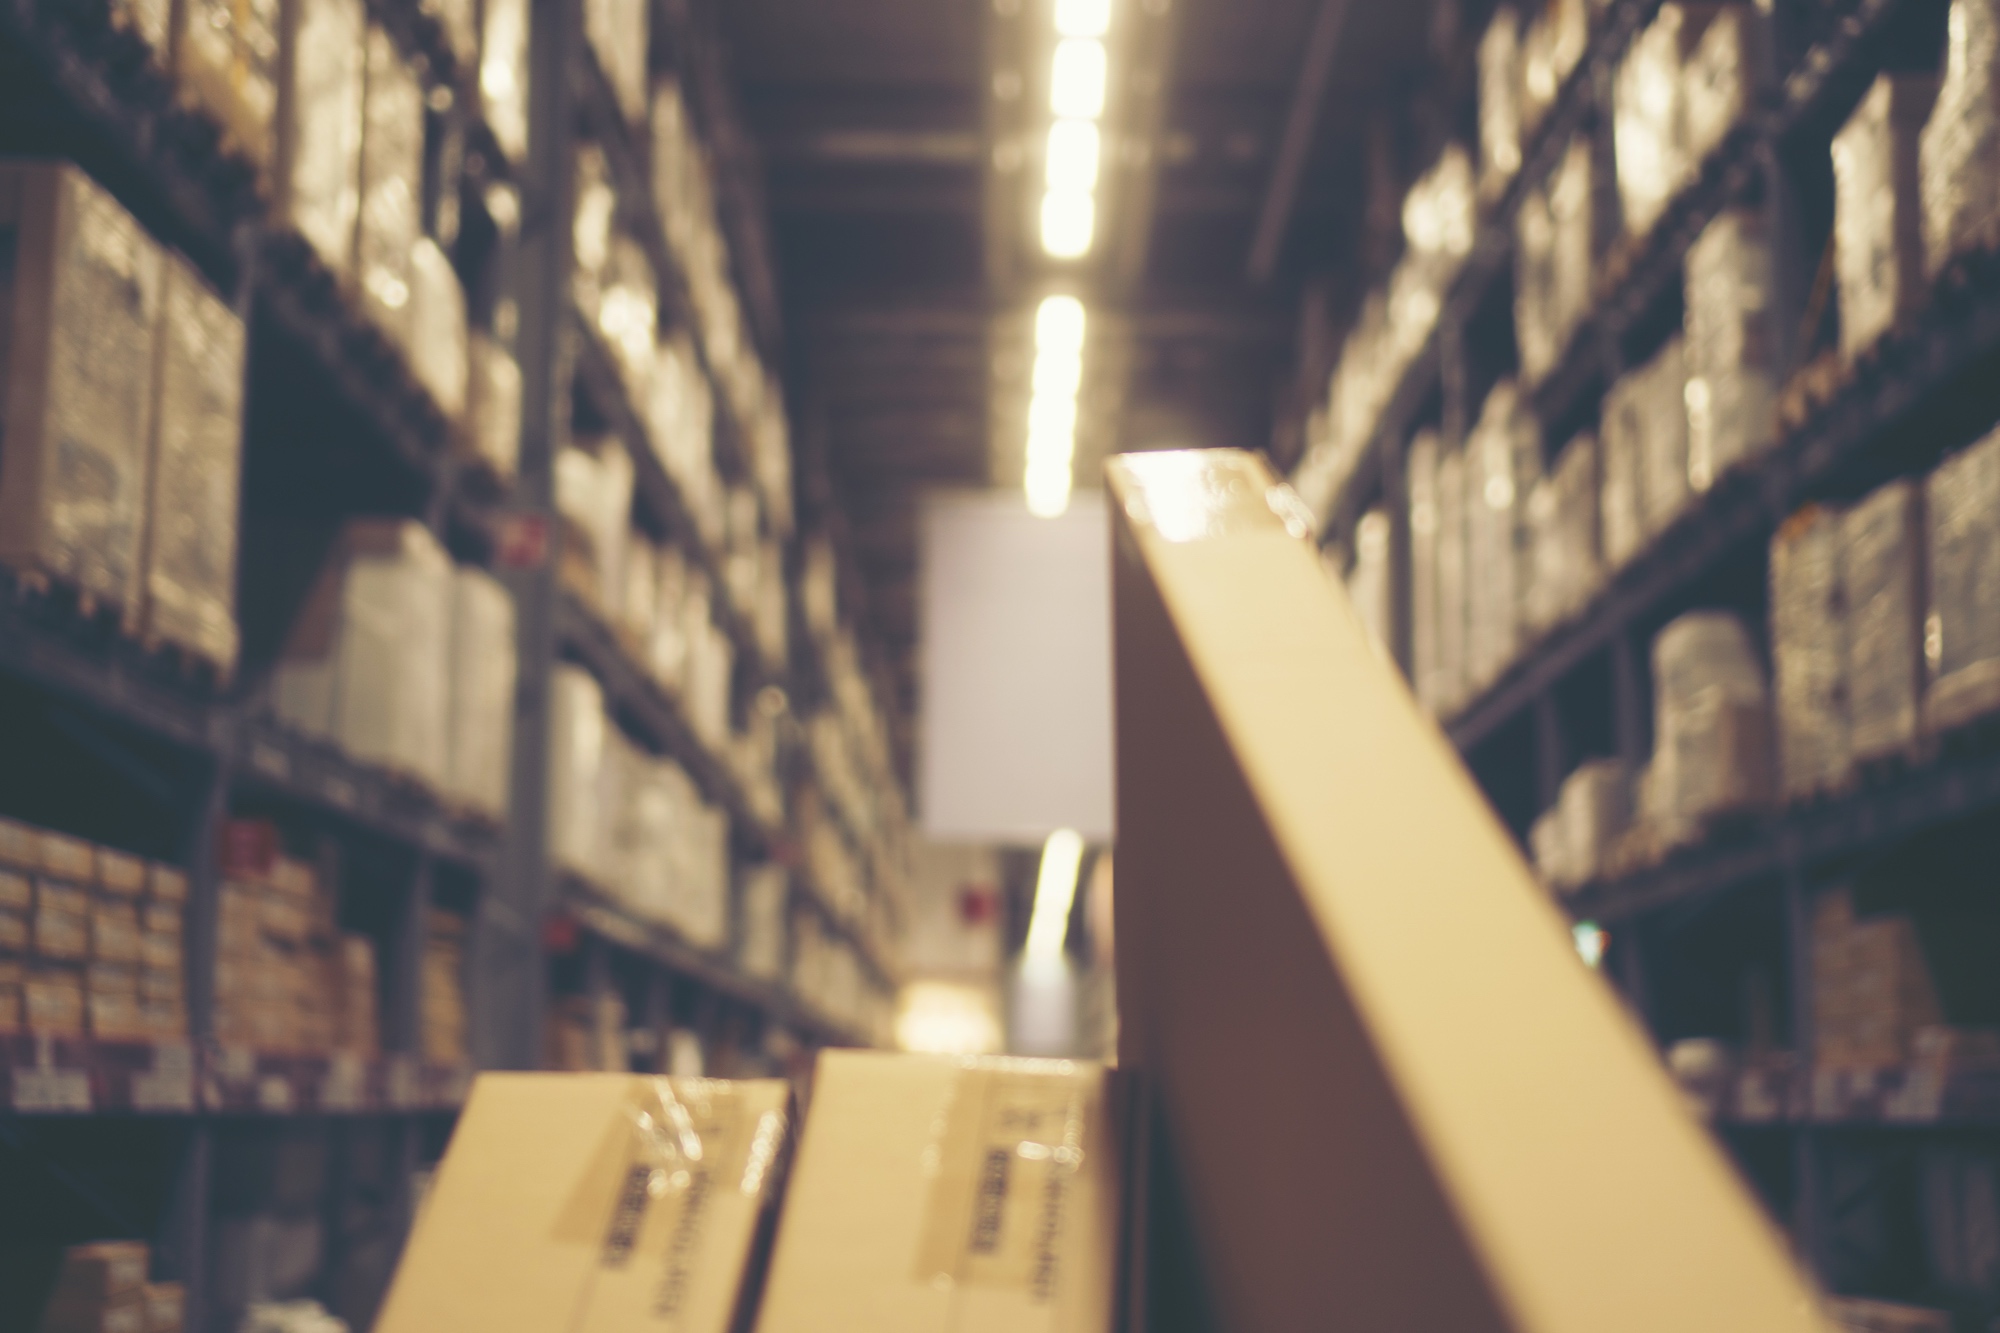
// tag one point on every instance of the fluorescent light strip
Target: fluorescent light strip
(1060, 325)
(1055, 894)
(1077, 78)
(1069, 223)
(1083, 18)
(1072, 157)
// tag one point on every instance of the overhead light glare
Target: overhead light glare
(1058, 374)
(1047, 489)
(1060, 322)
(1055, 893)
(1076, 80)
(1083, 18)
(1073, 155)
(1052, 414)
(1069, 223)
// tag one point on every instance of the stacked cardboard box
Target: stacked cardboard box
(1959, 152)
(1732, 401)
(587, 1035)
(1878, 209)
(441, 1001)
(764, 904)
(102, 1288)
(286, 979)
(1574, 840)
(90, 940)
(1808, 652)
(1962, 629)
(1872, 988)
(1881, 571)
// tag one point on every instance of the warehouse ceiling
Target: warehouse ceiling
(895, 141)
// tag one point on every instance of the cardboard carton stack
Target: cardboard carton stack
(442, 991)
(1962, 629)
(1712, 751)
(1959, 152)
(1808, 653)
(90, 940)
(287, 981)
(1564, 565)
(1872, 988)
(1503, 462)
(102, 1288)
(1731, 393)
(1878, 209)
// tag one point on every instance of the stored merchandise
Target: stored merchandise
(1878, 209)
(437, 346)
(1368, 581)
(1881, 565)
(1554, 44)
(1422, 488)
(1555, 275)
(594, 481)
(479, 742)
(1573, 841)
(1503, 461)
(577, 742)
(1959, 153)
(441, 997)
(1565, 566)
(225, 61)
(83, 313)
(1454, 598)
(764, 902)
(1500, 101)
(391, 185)
(1962, 629)
(594, 1202)
(493, 403)
(617, 30)
(1809, 652)
(1732, 398)
(319, 126)
(1646, 121)
(1717, 79)
(1871, 986)
(195, 475)
(1712, 751)
(897, 1217)
(503, 74)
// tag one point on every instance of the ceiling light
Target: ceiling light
(1047, 490)
(1052, 414)
(1069, 223)
(1076, 82)
(1058, 374)
(1083, 18)
(1060, 322)
(1055, 891)
(1072, 156)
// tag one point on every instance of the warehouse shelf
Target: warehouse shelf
(1911, 1097)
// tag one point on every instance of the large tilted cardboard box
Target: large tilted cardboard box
(937, 1195)
(592, 1203)
(1393, 1096)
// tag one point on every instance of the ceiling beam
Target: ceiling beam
(1301, 123)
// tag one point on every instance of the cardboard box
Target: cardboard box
(60, 935)
(14, 932)
(114, 933)
(225, 59)
(17, 891)
(18, 846)
(52, 1001)
(166, 1307)
(940, 1194)
(593, 1202)
(67, 858)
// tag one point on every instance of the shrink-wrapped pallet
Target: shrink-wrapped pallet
(617, 30)
(667, 650)
(197, 465)
(493, 404)
(392, 179)
(682, 426)
(225, 58)
(1872, 988)
(1563, 535)
(1500, 101)
(1504, 459)
(1959, 153)
(320, 126)
(1712, 725)
(82, 305)
(578, 741)
(1452, 597)
(1621, 514)
(503, 74)
(1962, 630)
(1554, 263)
(1878, 229)
(1572, 841)
(1422, 485)
(1809, 652)
(1881, 567)
(764, 907)
(594, 497)
(628, 314)
(437, 347)
(1647, 122)
(1663, 438)
(1732, 396)
(1718, 80)
(479, 771)
(591, 228)
(1550, 52)
(711, 664)
(1368, 581)
(367, 664)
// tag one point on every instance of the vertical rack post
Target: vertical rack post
(1808, 1204)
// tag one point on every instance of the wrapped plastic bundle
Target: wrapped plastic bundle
(1563, 526)
(1440, 215)
(1732, 396)
(1962, 631)
(1424, 569)
(437, 346)
(1646, 121)
(1595, 808)
(493, 404)
(1453, 604)
(617, 31)
(1621, 515)
(1717, 82)
(638, 602)
(1663, 438)
(1881, 543)
(83, 315)
(766, 907)
(591, 228)
(1878, 221)
(1550, 52)
(197, 468)
(1368, 581)
(503, 74)
(594, 496)
(1712, 725)
(1555, 263)
(667, 654)
(392, 177)
(577, 743)
(1503, 457)
(1959, 154)
(479, 768)
(367, 664)
(225, 60)
(1809, 652)
(711, 664)
(1500, 85)
(628, 314)
(320, 119)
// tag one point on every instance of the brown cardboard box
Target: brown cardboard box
(1425, 1112)
(52, 1001)
(114, 932)
(594, 1203)
(934, 1194)
(105, 1270)
(17, 891)
(83, 311)
(119, 874)
(53, 895)
(18, 846)
(61, 936)
(13, 932)
(67, 858)
(167, 884)
(166, 1307)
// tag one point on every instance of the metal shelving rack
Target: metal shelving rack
(1581, 690)
(197, 750)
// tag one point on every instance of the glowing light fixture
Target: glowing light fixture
(1083, 18)
(1076, 81)
(1069, 223)
(1060, 323)
(1055, 893)
(1058, 374)
(1073, 155)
